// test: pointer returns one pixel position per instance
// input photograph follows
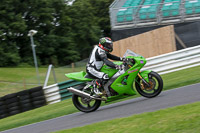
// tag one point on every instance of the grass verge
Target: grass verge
(171, 80)
(180, 119)
(16, 79)
(181, 78)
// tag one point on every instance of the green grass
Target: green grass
(172, 80)
(180, 119)
(181, 78)
(17, 79)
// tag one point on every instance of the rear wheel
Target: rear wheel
(154, 88)
(85, 104)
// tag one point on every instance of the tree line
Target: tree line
(66, 32)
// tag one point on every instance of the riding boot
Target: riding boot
(97, 86)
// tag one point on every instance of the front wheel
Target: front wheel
(154, 88)
(85, 104)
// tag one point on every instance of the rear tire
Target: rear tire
(85, 107)
(156, 86)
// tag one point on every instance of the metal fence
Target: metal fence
(174, 61)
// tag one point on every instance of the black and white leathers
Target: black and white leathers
(97, 59)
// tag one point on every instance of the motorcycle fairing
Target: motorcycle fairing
(145, 74)
(79, 76)
(131, 74)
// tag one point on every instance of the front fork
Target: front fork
(143, 80)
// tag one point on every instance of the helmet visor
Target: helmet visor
(109, 46)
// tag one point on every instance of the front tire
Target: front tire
(155, 88)
(84, 104)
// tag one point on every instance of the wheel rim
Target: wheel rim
(153, 86)
(152, 89)
(86, 104)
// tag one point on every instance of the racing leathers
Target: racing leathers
(97, 59)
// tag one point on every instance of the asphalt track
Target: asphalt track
(170, 98)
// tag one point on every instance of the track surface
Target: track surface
(170, 98)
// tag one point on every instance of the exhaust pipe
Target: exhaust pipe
(83, 94)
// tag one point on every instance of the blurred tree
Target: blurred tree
(86, 31)
(12, 26)
(66, 32)
(101, 11)
(54, 37)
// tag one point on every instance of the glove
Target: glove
(119, 67)
(124, 59)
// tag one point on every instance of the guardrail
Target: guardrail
(174, 61)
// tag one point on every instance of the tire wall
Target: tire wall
(22, 101)
(26, 100)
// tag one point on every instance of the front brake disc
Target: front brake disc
(148, 88)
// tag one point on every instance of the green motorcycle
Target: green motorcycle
(120, 85)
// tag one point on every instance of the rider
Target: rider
(98, 57)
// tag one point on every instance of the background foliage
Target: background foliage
(66, 32)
